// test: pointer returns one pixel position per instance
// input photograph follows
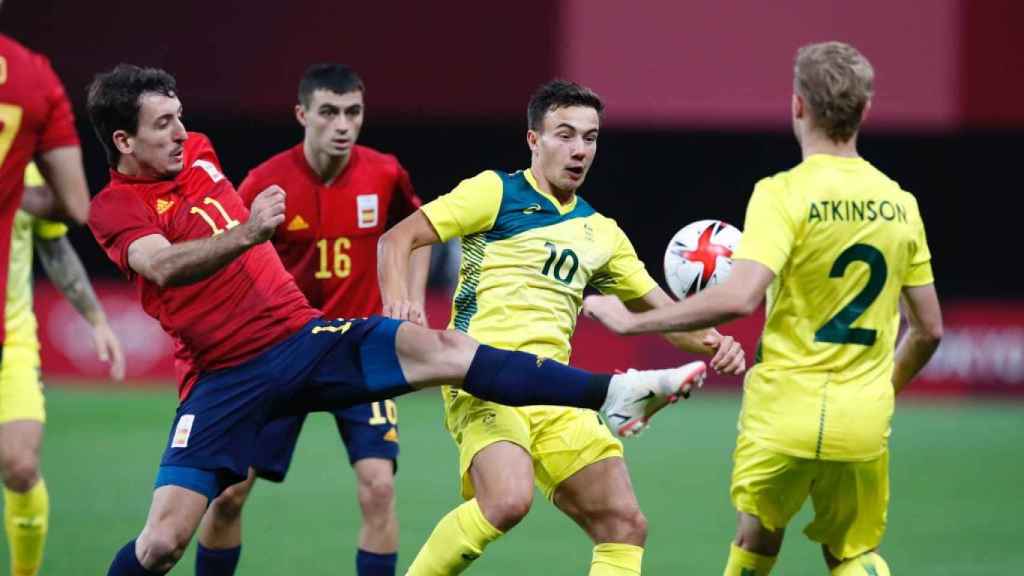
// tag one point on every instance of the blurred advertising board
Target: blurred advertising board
(982, 351)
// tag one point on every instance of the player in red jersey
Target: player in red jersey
(249, 347)
(341, 198)
(35, 121)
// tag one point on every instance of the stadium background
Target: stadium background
(698, 99)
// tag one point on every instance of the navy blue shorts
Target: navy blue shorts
(367, 430)
(326, 366)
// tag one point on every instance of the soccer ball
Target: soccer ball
(700, 255)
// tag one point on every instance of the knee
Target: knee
(160, 547)
(376, 494)
(20, 470)
(228, 506)
(504, 511)
(452, 342)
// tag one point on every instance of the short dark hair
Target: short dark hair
(114, 99)
(559, 94)
(337, 78)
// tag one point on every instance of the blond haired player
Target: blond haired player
(530, 247)
(835, 243)
(22, 413)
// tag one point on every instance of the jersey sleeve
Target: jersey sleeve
(919, 273)
(59, 128)
(769, 229)
(117, 218)
(624, 275)
(404, 200)
(471, 207)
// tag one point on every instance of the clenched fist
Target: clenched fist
(265, 214)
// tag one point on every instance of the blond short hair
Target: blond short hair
(835, 80)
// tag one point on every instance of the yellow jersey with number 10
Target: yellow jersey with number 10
(526, 260)
(843, 240)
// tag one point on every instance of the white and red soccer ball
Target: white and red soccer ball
(700, 255)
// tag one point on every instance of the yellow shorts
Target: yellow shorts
(21, 389)
(850, 499)
(562, 441)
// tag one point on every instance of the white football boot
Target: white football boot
(634, 397)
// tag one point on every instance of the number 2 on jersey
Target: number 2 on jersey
(838, 330)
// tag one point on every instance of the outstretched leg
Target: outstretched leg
(173, 517)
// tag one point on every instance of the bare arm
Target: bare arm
(727, 354)
(38, 201)
(394, 251)
(739, 296)
(923, 335)
(62, 169)
(419, 269)
(165, 264)
(65, 270)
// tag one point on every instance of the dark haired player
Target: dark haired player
(530, 247)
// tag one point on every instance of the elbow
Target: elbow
(932, 334)
(79, 214)
(744, 304)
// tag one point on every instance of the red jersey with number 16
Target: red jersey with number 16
(35, 117)
(233, 315)
(328, 240)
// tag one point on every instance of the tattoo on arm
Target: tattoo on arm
(65, 270)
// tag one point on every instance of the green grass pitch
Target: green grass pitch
(956, 477)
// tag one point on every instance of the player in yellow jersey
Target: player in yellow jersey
(530, 246)
(26, 502)
(835, 244)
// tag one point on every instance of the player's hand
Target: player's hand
(609, 311)
(265, 214)
(729, 357)
(406, 310)
(108, 348)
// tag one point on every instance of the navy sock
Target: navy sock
(211, 562)
(370, 564)
(126, 564)
(522, 379)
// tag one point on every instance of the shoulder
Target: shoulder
(374, 160)
(117, 203)
(282, 163)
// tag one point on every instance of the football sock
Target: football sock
(745, 563)
(458, 539)
(371, 564)
(616, 560)
(213, 562)
(521, 379)
(870, 564)
(126, 564)
(26, 520)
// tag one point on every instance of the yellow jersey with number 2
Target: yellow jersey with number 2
(843, 240)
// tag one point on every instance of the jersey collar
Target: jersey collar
(562, 209)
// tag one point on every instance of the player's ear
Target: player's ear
(122, 141)
(867, 109)
(300, 114)
(531, 140)
(799, 106)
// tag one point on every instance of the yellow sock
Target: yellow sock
(616, 560)
(744, 563)
(458, 539)
(26, 519)
(870, 564)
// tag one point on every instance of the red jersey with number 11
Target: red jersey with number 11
(328, 240)
(233, 315)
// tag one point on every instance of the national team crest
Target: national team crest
(183, 431)
(367, 206)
